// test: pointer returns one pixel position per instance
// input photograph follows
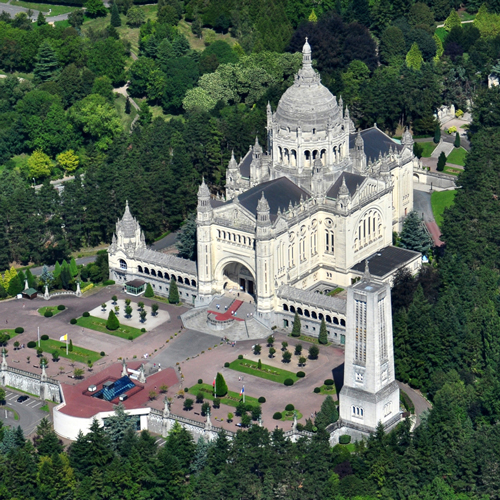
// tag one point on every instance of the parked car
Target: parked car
(22, 399)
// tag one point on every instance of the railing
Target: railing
(30, 375)
(56, 294)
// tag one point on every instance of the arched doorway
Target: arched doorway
(237, 276)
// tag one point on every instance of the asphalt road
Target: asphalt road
(29, 412)
(14, 9)
(422, 205)
(36, 271)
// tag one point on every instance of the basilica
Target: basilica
(301, 217)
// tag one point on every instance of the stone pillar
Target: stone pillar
(46, 295)
(26, 286)
(166, 421)
(142, 375)
(208, 423)
(3, 370)
(43, 384)
(78, 291)
(124, 368)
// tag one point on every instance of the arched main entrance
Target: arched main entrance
(237, 276)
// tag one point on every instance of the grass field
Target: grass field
(327, 390)
(99, 325)
(457, 156)
(126, 120)
(452, 171)
(10, 332)
(288, 415)
(439, 201)
(54, 310)
(56, 10)
(231, 398)
(78, 354)
(335, 292)
(268, 372)
(428, 148)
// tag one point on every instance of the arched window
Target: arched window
(299, 311)
(139, 268)
(285, 307)
(342, 322)
(193, 283)
(153, 272)
(292, 309)
(314, 315)
(307, 314)
(320, 316)
(357, 411)
(335, 320)
(167, 276)
(179, 280)
(160, 274)
(123, 264)
(146, 270)
(328, 319)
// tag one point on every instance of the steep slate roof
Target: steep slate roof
(166, 260)
(245, 164)
(278, 192)
(352, 181)
(390, 259)
(375, 142)
(313, 299)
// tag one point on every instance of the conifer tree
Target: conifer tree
(173, 293)
(127, 106)
(73, 267)
(413, 236)
(323, 333)
(47, 278)
(15, 286)
(437, 134)
(47, 65)
(457, 140)
(452, 21)
(186, 241)
(328, 413)
(313, 18)
(31, 279)
(40, 20)
(57, 270)
(115, 16)
(414, 58)
(220, 386)
(112, 323)
(149, 291)
(441, 162)
(70, 346)
(296, 326)
(117, 426)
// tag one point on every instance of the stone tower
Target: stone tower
(129, 236)
(203, 221)
(370, 393)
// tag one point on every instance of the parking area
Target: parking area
(28, 411)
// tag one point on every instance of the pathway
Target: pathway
(124, 91)
(419, 402)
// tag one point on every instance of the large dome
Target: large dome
(307, 102)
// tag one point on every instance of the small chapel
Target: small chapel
(301, 217)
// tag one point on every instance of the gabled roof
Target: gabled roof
(376, 142)
(352, 182)
(278, 193)
(288, 292)
(166, 260)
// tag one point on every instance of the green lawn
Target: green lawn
(439, 201)
(268, 372)
(441, 33)
(56, 10)
(457, 156)
(231, 398)
(54, 310)
(14, 412)
(327, 390)
(451, 170)
(288, 415)
(10, 332)
(428, 148)
(99, 325)
(126, 120)
(335, 292)
(77, 354)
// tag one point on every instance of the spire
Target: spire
(124, 368)
(343, 191)
(257, 149)
(203, 191)
(269, 109)
(359, 140)
(263, 205)
(232, 162)
(367, 277)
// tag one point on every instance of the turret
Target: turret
(407, 139)
(263, 213)
(204, 208)
(344, 197)
(129, 236)
(359, 157)
(317, 180)
(256, 165)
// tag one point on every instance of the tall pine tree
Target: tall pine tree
(46, 66)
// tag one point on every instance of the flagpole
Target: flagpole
(66, 344)
(243, 393)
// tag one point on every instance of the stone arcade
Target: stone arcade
(298, 220)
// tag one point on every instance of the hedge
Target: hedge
(73, 321)
(288, 381)
(301, 374)
(143, 330)
(19, 330)
(289, 407)
(61, 307)
(31, 344)
(86, 314)
(108, 282)
(226, 364)
(200, 381)
(328, 381)
(44, 337)
(262, 399)
(344, 439)
(317, 390)
(277, 416)
(103, 353)
(240, 356)
(48, 314)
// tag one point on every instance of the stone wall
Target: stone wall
(43, 387)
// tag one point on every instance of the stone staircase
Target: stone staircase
(196, 319)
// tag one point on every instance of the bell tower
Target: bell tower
(370, 393)
(204, 244)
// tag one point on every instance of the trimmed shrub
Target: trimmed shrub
(73, 321)
(143, 330)
(288, 381)
(240, 356)
(301, 374)
(262, 399)
(19, 330)
(317, 390)
(200, 397)
(112, 323)
(102, 353)
(328, 381)
(186, 389)
(61, 307)
(44, 337)
(226, 364)
(277, 416)
(289, 407)
(220, 386)
(344, 439)
(108, 282)
(31, 344)
(216, 403)
(48, 314)
(86, 314)
(200, 381)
